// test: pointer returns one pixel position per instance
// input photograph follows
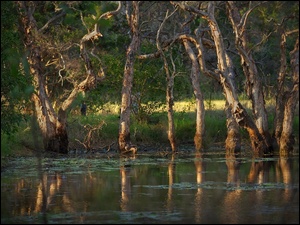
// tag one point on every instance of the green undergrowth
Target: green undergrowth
(100, 131)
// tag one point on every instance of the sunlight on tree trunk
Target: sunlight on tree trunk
(124, 124)
(222, 74)
(254, 88)
(200, 112)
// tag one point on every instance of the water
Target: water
(170, 189)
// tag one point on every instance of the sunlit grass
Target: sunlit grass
(179, 106)
(148, 127)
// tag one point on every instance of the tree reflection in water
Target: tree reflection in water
(200, 178)
(125, 187)
(222, 189)
(171, 175)
(232, 196)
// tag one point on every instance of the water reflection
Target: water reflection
(233, 164)
(226, 189)
(284, 174)
(231, 204)
(171, 175)
(200, 178)
(125, 187)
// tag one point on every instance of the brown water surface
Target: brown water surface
(190, 188)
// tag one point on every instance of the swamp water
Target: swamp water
(170, 189)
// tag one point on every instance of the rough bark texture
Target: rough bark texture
(200, 112)
(233, 139)
(287, 139)
(222, 74)
(279, 108)
(54, 132)
(52, 125)
(124, 125)
(239, 113)
(254, 88)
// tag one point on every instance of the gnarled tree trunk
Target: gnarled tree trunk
(223, 75)
(53, 125)
(254, 88)
(54, 132)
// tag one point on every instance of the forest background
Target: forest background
(56, 55)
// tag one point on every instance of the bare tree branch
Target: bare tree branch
(63, 13)
(107, 15)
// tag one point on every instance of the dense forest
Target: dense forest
(140, 55)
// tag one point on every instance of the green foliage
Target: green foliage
(15, 83)
(7, 143)
(185, 126)
(215, 126)
(64, 67)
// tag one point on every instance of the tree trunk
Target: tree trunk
(240, 114)
(53, 126)
(279, 108)
(233, 139)
(200, 112)
(222, 74)
(54, 132)
(169, 89)
(287, 140)
(254, 88)
(124, 124)
(170, 103)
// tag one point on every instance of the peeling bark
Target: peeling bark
(254, 88)
(223, 75)
(124, 124)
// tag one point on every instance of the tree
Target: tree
(254, 88)
(223, 72)
(170, 85)
(291, 99)
(53, 125)
(132, 14)
(200, 112)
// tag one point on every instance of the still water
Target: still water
(169, 189)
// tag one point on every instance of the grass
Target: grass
(99, 129)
